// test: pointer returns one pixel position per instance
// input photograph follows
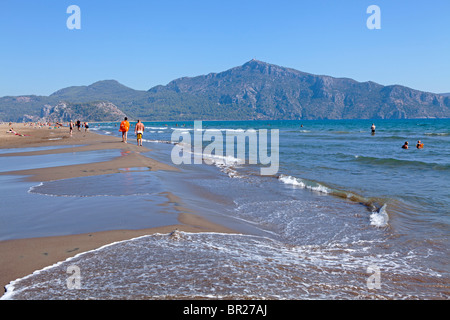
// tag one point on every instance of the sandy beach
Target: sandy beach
(20, 257)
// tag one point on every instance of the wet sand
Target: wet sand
(78, 142)
(20, 257)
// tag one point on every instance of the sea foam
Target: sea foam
(379, 218)
(297, 182)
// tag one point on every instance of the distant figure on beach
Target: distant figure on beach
(71, 127)
(11, 130)
(405, 146)
(124, 127)
(419, 145)
(139, 131)
(78, 125)
(373, 128)
(86, 127)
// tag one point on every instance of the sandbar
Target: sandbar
(20, 257)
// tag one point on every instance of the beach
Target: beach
(20, 257)
(335, 217)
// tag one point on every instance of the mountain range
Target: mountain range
(255, 90)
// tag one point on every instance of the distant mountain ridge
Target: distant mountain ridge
(94, 111)
(255, 90)
(106, 90)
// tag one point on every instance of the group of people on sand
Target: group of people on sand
(139, 129)
(40, 124)
(124, 128)
(78, 125)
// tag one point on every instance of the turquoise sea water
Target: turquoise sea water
(343, 202)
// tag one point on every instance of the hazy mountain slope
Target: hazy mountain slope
(255, 90)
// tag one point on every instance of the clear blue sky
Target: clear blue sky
(143, 43)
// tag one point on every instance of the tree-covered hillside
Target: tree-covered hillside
(255, 90)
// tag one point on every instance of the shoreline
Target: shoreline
(21, 257)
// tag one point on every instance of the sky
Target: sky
(144, 43)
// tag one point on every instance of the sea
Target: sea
(344, 213)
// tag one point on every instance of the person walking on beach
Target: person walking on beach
(86, 127)
(78, 125)
(71, 127)
(124, 127)
(139, 131)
